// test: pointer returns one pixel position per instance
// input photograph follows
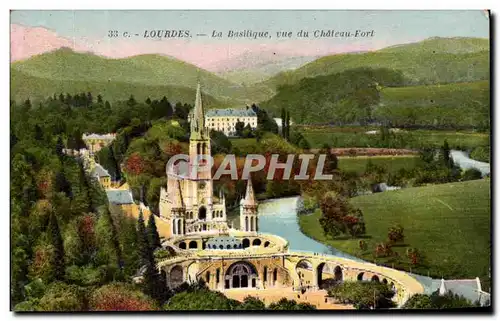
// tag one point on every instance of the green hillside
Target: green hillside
(24, 86)
(459, 104)
(151, 70)
(363, 95)
(443, 45)
(436, 60)
(448, 223)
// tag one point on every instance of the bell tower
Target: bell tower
(249, 221)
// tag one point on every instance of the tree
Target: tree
(396, 234)
(285, 304)
(59, 147)
(62, 297)
(331, 160)
(287, 132)
(283, 123)
(252, 303)
(220, 144)
(153, 283)
(38, 133)
(419, 301)
(339, 217)
(120, 297)
(200, 299)
(131, 102)
(154, 237)
(62, 184)
(445, 150)
(471, 174)
(437, 301)
(414, 255)
(239, 128)
(142, 240)
(58, 245)
(363, 295)
(363, 246)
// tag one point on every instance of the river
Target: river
(462, 159)
(279, 217)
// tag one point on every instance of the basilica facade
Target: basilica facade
(188, 202)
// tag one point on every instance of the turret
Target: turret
(249, 221)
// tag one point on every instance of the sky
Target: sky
(35, 32)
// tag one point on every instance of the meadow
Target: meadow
(392, 163)
(450, 224)
(343, 137)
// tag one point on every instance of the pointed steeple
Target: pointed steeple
(442, 288)
(198, 119)
(249, 199)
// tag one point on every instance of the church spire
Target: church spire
(198, 120)
(250, 195)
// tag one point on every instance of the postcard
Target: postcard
(250, 160)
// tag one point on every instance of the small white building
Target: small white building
(224, 120)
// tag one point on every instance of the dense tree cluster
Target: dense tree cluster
(437, 301)
(363, 295)
(339, 217)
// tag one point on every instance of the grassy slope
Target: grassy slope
(152, 70)
(414, 138)
(449, 223)
(24, 86)
(430, 61)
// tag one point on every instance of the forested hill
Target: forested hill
(343, 97)
(432, 61)
(378, 95)
(24, 86)
(144, 70)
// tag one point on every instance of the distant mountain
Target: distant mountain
(144, 70)
(24, 86)
(257, 71)
(431, 61)
(455, 45)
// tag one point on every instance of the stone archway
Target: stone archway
(256, 242)
(241, 275)
(176, 277)
(305, 271)
(246, 243)
(202, 213)
(375, 279)
(193, 245)
(360, 276)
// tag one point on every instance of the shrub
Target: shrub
(120, 297)
(471, 174)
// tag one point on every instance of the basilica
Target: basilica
(237, 261)
(188, 203)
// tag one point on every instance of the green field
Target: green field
(342, 137)
(392, 163)
(448, 223)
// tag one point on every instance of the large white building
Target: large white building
(224, 120)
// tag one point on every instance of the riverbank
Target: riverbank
(448, 223)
